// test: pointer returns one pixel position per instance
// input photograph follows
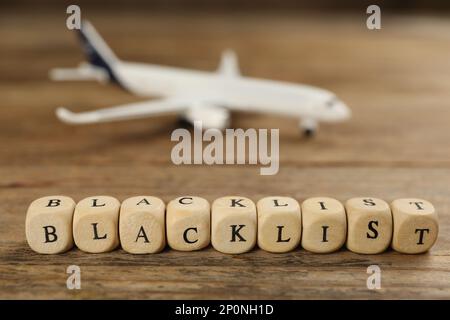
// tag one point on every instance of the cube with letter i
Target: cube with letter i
(324, 225)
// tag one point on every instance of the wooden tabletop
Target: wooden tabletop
(397, 144)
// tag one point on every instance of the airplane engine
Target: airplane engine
(210, 116)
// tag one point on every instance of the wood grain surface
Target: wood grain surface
(397, 144)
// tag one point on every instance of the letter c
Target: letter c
(182, 200)
(185, 233)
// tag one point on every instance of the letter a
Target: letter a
(374, 280)
(181, 152)
(374, 20)
(74, 20)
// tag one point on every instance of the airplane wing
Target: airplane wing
(124, 112)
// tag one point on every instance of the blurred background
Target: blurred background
(395, 79)
(397, 5)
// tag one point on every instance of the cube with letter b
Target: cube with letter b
(415, 225)
(233, 223)
(96, 224)
(48, 224)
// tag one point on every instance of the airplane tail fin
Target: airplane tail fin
(97, 51)
(229, 65)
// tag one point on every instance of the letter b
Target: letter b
(50, 234)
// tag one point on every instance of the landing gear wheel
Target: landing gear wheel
(308, 127)
(308, 132)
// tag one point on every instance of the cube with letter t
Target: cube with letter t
(415, 225)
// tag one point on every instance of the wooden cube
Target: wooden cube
(279, 224)
(369, 225)
(324, 225)
(48, 224)
(233, 223)
(96, 224)
(142, 225)
(416, 225)
(188, 223)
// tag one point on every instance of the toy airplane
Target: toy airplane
(195, 95)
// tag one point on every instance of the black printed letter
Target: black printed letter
(369, 202)
(237, 203)
(94, 203)
(421, 234)
(280, 231)
(142, 234)
(235, 232)
(185, 238)
(96, 237)
(143, 201)
(51, 233)
(182, 200)
(54, 203)
(275, 202)
(418, 205)
(372, 228)
(324, 237)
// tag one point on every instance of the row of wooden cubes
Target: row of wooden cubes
(232, 225)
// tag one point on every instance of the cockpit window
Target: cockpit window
(330, 103)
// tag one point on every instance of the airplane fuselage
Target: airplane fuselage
(233, 92)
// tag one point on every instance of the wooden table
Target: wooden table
(397, 82)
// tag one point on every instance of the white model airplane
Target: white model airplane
(195, 95)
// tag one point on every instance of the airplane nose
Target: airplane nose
(344, 111)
